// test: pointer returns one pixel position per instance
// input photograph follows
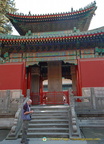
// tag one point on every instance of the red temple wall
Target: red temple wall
(12, 76)
(90, 73)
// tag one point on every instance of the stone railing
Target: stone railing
(16, 128)
(74, 130)
(94, 100)
(10, 100)
(84, 102)
(98, 97)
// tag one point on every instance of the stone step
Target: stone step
(49, 121)
(36, 110)
(50, 112)
(48, 117)
(47, 135)
(62, 107)
(54, 129)
(50, 125)
(91, 123)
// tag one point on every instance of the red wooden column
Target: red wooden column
(41, 90)
(24, 79)
(29, 79)
(74, 79)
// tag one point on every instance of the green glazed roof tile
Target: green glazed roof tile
(53, 34)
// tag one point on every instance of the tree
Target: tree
(6, 6)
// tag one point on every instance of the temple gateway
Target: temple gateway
(50, 47)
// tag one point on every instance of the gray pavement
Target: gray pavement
(53, 141)
(96, 142)
(92, 136)
(40, 141)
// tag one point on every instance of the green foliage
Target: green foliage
(6, 6)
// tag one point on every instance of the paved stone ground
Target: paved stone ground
(87, 132)
(40, 141)
(3, 134)
(93, 132)
(96, 142)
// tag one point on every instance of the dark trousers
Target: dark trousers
(24, 131)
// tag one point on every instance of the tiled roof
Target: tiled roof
(54, 36)
(54, 16)
(53, 22)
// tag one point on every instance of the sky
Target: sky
(57, 6)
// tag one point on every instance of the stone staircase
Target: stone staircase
(49, 121)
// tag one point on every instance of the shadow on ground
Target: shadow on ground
(3, 134)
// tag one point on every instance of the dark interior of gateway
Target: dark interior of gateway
(64, 87)
(66, 70)
(66, 73)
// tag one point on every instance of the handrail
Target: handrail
(94, 101)
(74, 130)
(15, 130)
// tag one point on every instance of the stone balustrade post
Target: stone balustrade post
(28, 93)
(21, 100)
(93, 98)
(8, 105)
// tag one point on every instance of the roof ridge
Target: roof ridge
(92, 4)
